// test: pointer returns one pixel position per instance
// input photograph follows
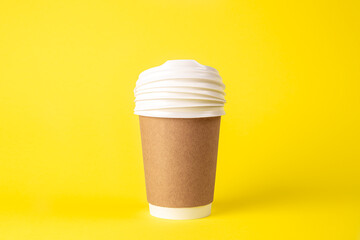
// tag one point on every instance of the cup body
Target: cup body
(180, 156)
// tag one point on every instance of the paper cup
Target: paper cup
(180, 104)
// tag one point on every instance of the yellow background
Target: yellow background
(70, 150)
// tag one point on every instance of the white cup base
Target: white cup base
(180, 213)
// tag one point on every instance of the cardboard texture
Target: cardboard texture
(180, 160)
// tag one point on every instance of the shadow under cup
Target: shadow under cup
(180, 157)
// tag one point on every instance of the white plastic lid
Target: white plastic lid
(180, 84)
(173, 69)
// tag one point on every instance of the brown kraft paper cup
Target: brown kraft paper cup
(180, 157)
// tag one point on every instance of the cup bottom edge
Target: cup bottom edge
(180, 213)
